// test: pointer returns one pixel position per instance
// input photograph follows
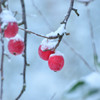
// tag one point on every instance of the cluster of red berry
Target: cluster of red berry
(15, 45)
(55, 59)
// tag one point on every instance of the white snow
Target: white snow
(59, 31)
(6, 16)
(17, 37)
(93, 79)
(48, 44)
(57, 53)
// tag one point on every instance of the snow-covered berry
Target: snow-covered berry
(56, 61)
(44, 54)
(11, 30)
(16, 46)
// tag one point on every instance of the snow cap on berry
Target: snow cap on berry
(56, 61)
(17, 37)
(47, 43)
(16, 45)
(57, 53)
(6, 16)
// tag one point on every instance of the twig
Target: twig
(92, 38)
(51, 37)
(25, 55)
(68, 14)
(7, 55)
(75, 10)
(85, 62)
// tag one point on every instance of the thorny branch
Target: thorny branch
(25, 50)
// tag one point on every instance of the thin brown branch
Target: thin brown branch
(51, 37)
(2, 65)
(68, 13)
(75, 10)
(85, 62)
(25, 50)
(2, 59)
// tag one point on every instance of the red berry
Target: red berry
(16, 47)
(56, 62)
(44, 54)
(11, 30)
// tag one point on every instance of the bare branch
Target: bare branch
(68, 13)
(75, 10)
(52, 37)
(2, 65)
(25, 50)
(2, 59)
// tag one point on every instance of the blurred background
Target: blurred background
(43, 17)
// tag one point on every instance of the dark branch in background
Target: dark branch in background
(53, 96)
(2, 59)
(74, 51)
(25, 51)
(96, 62)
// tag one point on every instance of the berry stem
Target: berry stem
(25, 50)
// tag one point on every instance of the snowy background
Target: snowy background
(42, 83)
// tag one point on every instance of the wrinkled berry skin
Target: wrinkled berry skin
(44, 54)
(16, 47)
(56, 62)
(11, 30)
